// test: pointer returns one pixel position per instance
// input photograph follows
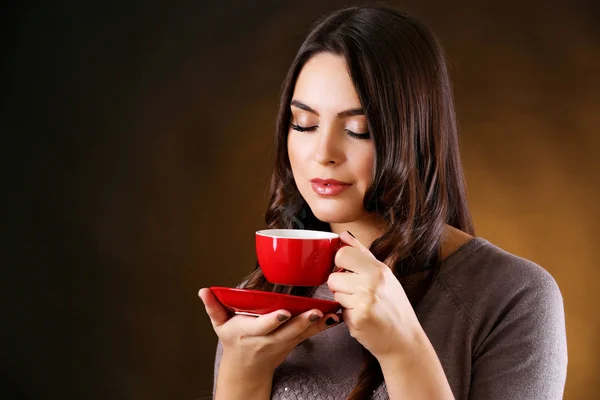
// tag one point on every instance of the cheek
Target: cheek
(296, 152)
(364, 167)
(292, 150)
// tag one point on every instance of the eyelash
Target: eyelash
(360, 136)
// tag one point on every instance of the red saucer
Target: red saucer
(255, 302)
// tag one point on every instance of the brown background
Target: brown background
(137, 146)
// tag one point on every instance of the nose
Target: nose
(328, 147)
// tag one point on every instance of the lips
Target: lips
(328, 187)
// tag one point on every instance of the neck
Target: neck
(371, 227)
(366, 230)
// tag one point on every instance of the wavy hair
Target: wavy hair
(399, 72)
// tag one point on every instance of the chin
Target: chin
(335, 212)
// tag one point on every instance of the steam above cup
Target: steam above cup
(296, 257)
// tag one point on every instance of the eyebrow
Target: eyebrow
(342, 114)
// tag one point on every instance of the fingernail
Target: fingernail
(282, 317)
(330, 321)
(350, 233)
(313, 318)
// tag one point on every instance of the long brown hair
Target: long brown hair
(399, 72)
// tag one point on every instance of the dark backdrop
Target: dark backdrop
(136, 149)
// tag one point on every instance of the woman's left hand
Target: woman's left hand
(375, 306)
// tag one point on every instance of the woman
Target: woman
(429, 310)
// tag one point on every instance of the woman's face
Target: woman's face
(330, 149)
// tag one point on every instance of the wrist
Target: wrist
(237, 380)
(415, 372)
(246, 366)
(405, 352)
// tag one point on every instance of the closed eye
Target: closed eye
(304, 128)
(362, 136)
(355, 135)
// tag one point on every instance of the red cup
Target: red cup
(296, 257)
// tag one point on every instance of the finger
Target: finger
(217, 313)
(297, 325)
(344, 282)
(327, 322)
(353, 242)
(265, 324)
(354, 260)
(347, 301)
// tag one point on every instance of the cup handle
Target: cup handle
(342, 244)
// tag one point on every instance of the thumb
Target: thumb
(216, 312)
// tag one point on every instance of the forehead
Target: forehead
(325, 85)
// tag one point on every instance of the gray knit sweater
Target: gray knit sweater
(495, 320)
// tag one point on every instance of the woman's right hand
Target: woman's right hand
(262, 343)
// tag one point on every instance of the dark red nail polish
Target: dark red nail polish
(350, 233)
(330, 321)
(313, 317)
(282, 317)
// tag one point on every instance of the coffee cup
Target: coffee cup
(296, 257)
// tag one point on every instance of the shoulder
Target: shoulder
(488, 281)
(517, 329)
